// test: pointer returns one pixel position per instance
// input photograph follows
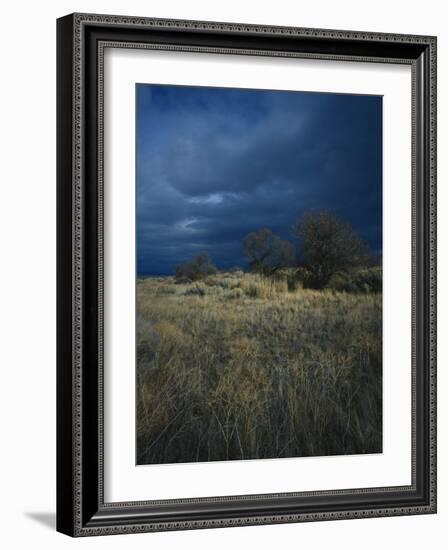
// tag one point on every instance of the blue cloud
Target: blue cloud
(216, 163)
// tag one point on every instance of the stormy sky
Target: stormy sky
(214, 164)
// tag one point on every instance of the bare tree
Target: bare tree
(267, 252)
(198, 268)
(328, 245)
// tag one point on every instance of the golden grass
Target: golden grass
(237, 367)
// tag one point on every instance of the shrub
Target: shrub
(257, 286)
(234, 294)
(166, 290)
(362, 280)
(182, 280)
(198, 268)
(195, 291)
(221, 282)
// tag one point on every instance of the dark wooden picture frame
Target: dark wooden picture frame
(81, 509)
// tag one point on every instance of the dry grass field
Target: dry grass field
(239, 367)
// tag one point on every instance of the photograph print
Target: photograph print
(258, 274)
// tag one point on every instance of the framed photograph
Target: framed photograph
(246, 274)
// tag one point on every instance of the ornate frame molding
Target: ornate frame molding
(75, 503)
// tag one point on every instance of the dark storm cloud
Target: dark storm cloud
(214, 164)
